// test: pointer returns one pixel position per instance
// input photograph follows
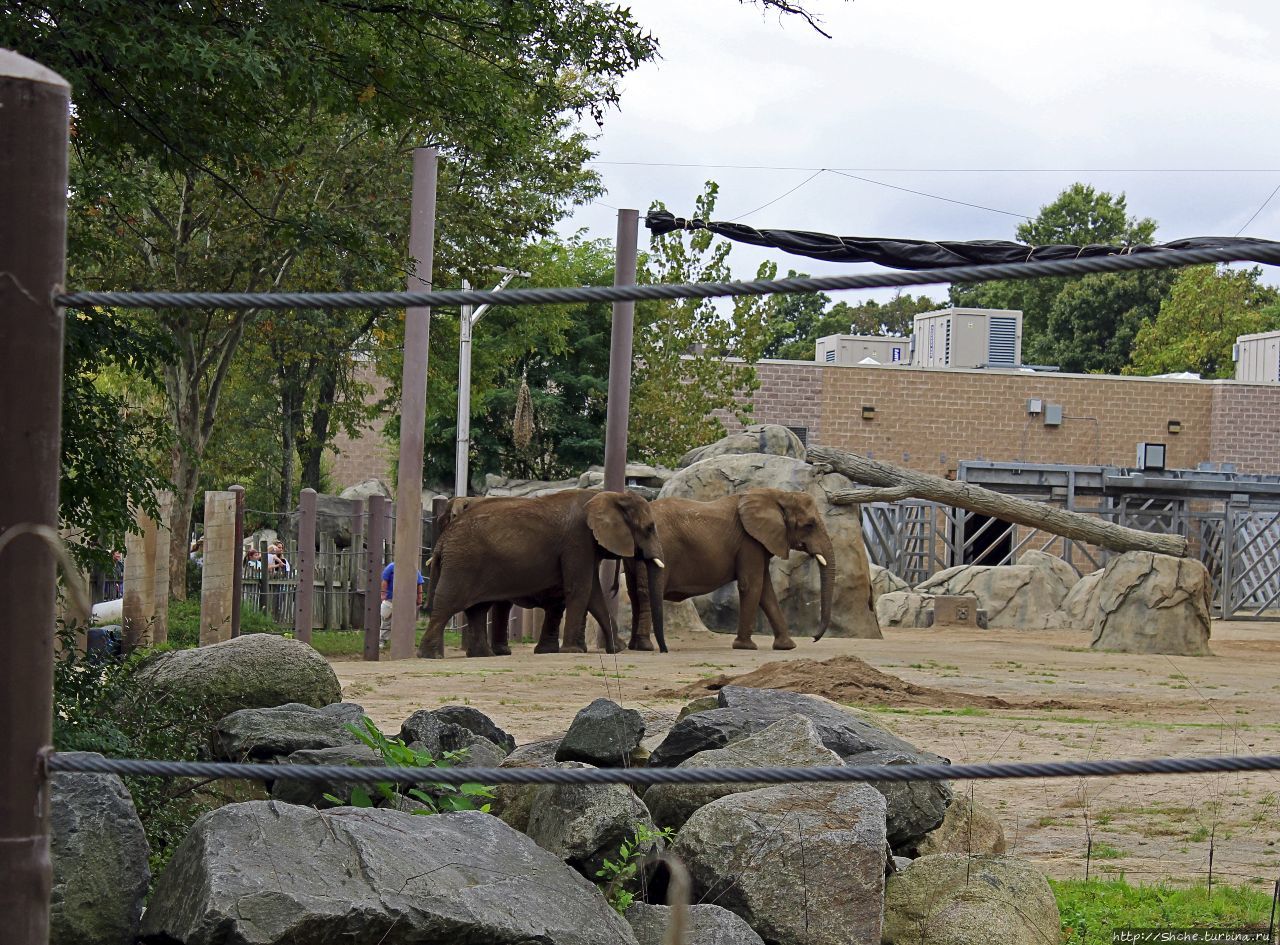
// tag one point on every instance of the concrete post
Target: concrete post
(237, 574)
(160, 590)
(221, 554)
(413, 408)
(462, 455)
(376, 530)
(35, 105)
(138, 608)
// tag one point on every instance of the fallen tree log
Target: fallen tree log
(892, 483)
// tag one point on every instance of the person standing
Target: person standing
(388, 586)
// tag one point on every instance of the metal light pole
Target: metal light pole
(466, 323)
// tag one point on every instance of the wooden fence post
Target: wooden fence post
(305, 565)
(375, 530)
(237, 572)
(218, 583)
(138, 607)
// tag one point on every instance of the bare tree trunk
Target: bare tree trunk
(895, 482)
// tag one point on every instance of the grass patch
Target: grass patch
(1090, 910)
(1105, 851)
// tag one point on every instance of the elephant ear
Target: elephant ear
(762, 518)
(609, 525)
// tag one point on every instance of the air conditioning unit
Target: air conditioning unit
(969, 338)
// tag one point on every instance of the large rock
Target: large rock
(770, 438)
(514, 802)
(1150, 603)
(263, 734)
(953, 899)
(365, 488)
(884, 581)
(266, 873)
(1080, 607)
(584, 824)
(476, 722)
(914, 807)
(708, 925)
(905, 609)
(800, 863)
(254, 671)
(457, 728)
(603, 734)
(791, 742)
(99, 851)
(292, 791)
(1022, 596)
(796, 580)
(501, 485)
(744, 711)
(967, 828)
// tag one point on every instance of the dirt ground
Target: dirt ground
(1038, 696)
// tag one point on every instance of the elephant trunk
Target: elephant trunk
(828, 573)
(654, 573)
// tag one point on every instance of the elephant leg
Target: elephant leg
(432, 645)
(773, 610)
(499, 628)
(576, 596)
(749, 591)
(549, 639)
(641, 623)
(477, 631)
(598, 607)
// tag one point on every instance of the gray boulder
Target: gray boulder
(603, 734)
(365, 488)
(884, 581)
(442, 730)
(905, 609)
(514, 802)
(967, 828)
(267, 873)
(797, 578)
(482, 753)
(825, 849)
(914, 807)
(1080, 606)
(960, 900)
(584, 824)
(771, 438)
(541, 754)
(254, 671)
(476, 722)
(708, 925)
(791, 742)
(1022, 596)
(1150, 603)
(292, 791)
(100, 853)
(263, 734)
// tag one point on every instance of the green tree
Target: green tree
(201, 133)
(1079, 216)
(794, 321)
(692, 359)
(1208, 308)
(895, 317)
(1094, 320)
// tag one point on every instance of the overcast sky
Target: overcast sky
(957, 99)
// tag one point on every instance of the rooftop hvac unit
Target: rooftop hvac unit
(969, 338)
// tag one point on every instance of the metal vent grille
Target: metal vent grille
(831, 355)
(1002, 340)
(946, 344)
(802, 432)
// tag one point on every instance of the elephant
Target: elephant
(709, 544)
(537, 551)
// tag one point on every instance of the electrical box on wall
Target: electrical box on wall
(1034, 406)
(1151, 456)
(1053, 415)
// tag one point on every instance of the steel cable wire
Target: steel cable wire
(1257, 252)
(647, 776)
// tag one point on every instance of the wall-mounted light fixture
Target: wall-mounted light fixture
(868, 412)
(1175, 426)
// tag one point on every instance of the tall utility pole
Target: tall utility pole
(466, 323)
(413, 408)
(35, 105)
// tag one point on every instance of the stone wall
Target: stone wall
(368, 455)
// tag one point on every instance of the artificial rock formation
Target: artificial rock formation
(1149, 603)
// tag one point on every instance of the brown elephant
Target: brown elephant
(540, 549)
(709, 544)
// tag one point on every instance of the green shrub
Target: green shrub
(98, 706)
(618, 874)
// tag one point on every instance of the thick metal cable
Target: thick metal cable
(698, 290)
(332, 774)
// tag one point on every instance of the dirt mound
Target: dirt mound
(845, 679)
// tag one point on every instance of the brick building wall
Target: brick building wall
(1246, 426)
(791, 392)
(368, 455)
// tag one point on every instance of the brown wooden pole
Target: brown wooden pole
(237, 562)
(305, 566)
(895, 482)
(375, 530)
(34, 116)
(413, 409)
(618, 411)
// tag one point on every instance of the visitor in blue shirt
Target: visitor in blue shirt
(388, 586)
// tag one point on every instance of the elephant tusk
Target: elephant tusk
(658, 562)
(821, 560)
(427, 563)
